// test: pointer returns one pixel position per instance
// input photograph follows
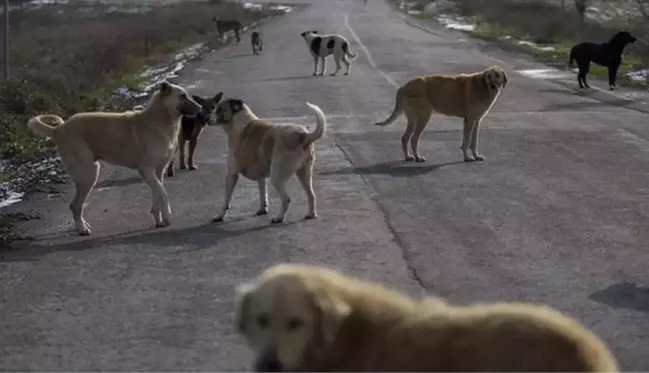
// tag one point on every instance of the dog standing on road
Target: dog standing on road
(607, 54)
(257, 42)
(321, 46)
(141, 140)
(229, 25)
(467, 96)
(260, 150)
(190, 129)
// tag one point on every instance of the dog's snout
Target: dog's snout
(268, 362)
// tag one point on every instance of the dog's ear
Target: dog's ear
(236, 105)
(201, 101)
(164, 88)
(332, 312)
(242, 307)
(217, 98)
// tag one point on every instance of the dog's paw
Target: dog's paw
(420, 159)
(218, 219)
(162, 224)
(345, 74)
(84, 232)
(479, 157)
(170, 173)
(311, 216)
(277, 220)
(262, 211)
(193, 168)
(469, 159)
(315, 74)
(409, 158)
(183, 167)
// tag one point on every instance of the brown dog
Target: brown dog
(190, 129)
(467, 96)
(307, 318)
(141, 140)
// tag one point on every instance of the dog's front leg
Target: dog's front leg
(160, 198)
(230, 182)
(324, 66)
(192, 149)
(466, 139)
(474, 141)
(612, 74)
(263, 197)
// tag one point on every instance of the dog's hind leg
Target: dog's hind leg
(230, 182)
(84, 177)
(420, 124)
(612, 74)
(281, 170)
(315, 66)
(338, 67)
(324, 65)
(160, 207)
(584, 68)
(474, 141)
(181, 154)
(305, 177)
(348, 65)
(263, 197)
(405, 138)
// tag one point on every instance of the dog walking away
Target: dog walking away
(321, 46)
(260, 150)
(228, 25)
(303, 318)
(467, 96)
(257, 42)
(190, 129)
(142, 140)
(607, 54)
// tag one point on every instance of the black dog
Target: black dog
(605, 54)
(191, 129)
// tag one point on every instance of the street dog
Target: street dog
(321, 46)
(257, 42)
(467, 96)
(229, 25)
(303, 318)
(260, 150)
(190, 129)
(607, 54)
(141, 140)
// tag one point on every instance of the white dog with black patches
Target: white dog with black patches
(321, 46)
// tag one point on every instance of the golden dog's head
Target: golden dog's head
(177, 100)
(226, 112)
(286, 316)
(495, 78)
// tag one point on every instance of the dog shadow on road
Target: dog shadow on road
(193, 238)
(624, 295)
(286, 78)
(394, 168)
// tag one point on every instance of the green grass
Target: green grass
(557, 57)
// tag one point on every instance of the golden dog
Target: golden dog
(260, 150)
(142, 140)
(467, 96)
(306, 318)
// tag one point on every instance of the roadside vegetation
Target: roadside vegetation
(82, 56)
(548, 29)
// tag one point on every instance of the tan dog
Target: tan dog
(467, 96)
(306, 318)
(260, 150)
(141, 140)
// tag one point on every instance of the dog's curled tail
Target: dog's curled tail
(39, 127)
(348, 52)
(398, 109)
(321, 125)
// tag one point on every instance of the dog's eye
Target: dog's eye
(294, 324)
(262, 321)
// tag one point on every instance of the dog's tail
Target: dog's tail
(348, 52)
(572, 57)
(321, 125)
(398, 109)
(39, 127)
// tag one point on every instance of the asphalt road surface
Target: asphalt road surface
(556, 214)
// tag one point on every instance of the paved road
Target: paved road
(557, 213)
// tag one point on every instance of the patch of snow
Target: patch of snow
(282, 8)
(414, 12)
(48, 169)
(455, 24)
(544, 73)
(531, 44)
(639, 76)
(252, 6)
(11, 197)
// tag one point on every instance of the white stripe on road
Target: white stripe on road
(368, 54)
